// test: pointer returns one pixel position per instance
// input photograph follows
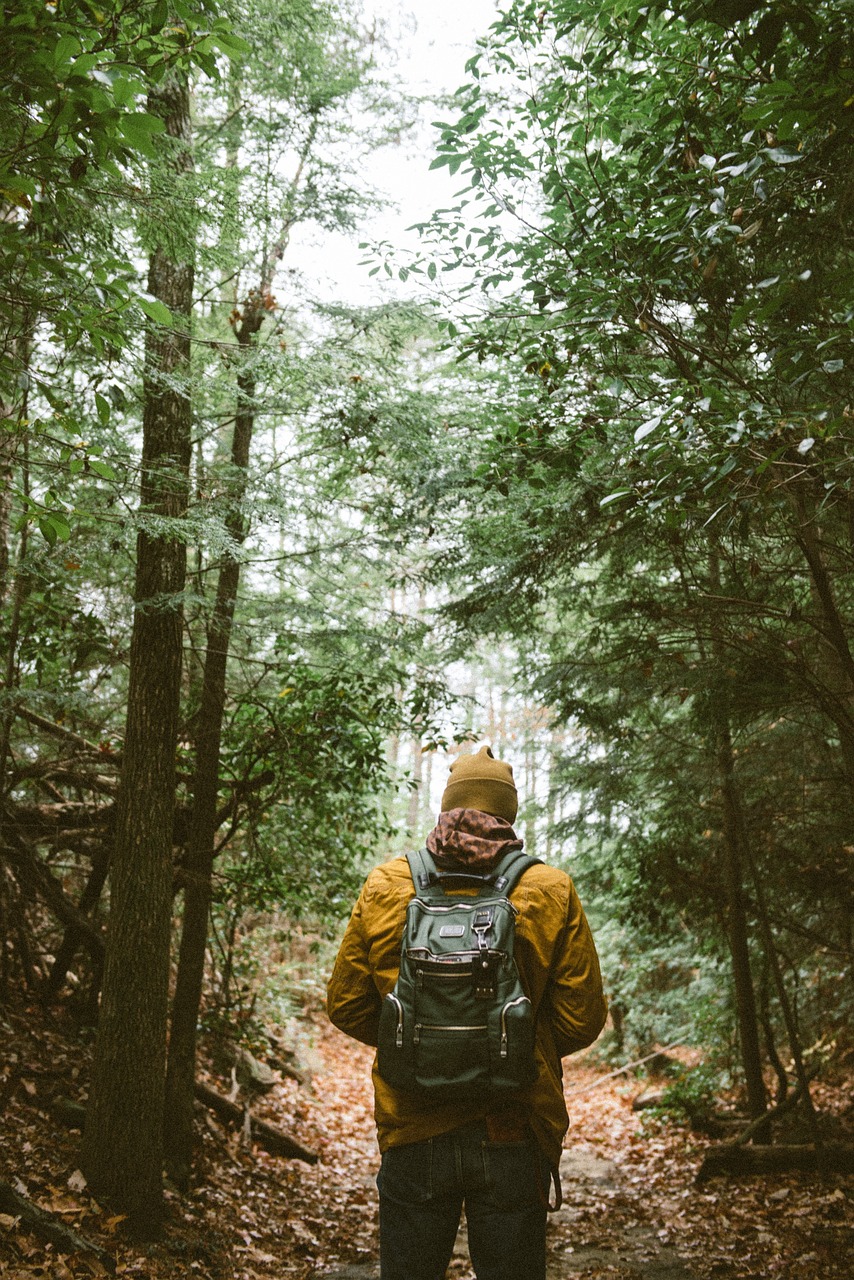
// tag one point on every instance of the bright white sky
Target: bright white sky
(430, 44)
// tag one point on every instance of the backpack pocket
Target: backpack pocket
(394, 1045)
(454, 1059)
(516, 1065)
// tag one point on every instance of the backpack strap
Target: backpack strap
(430, 883)
(511, 868)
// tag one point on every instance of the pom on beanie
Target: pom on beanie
(482, 782)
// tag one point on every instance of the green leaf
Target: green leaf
(66, 48)
(646, 428)
(139, 128)
(231, 44)
(779, 155)
(101, 469)
(54, 528)
(156, 310)
(103, 408)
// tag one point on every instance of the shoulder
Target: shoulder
(543, 878)
(544, 893)
(390, 880)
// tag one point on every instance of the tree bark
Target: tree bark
(122, 1152)
(734, 860)
(202, 842)
(181, 1067)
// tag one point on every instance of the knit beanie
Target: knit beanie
(482, 782)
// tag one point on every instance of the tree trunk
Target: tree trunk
(745, 999)
(202, 843)
(122, 1152)
(734, 835)
(73, 935)
(181, 1067)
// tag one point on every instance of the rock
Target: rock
(648, 1099)
(584, 1166)
(252, 1074)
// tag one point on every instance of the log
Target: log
(725, 1158)
(790, 1101)
(50, 1228)
(266, 1135)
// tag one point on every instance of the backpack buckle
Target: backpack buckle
(482, 920)
(485, 967)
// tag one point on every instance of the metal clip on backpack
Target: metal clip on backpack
(458, 1024)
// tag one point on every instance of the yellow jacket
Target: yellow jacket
(558, 968)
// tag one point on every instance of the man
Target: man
(438, 1154)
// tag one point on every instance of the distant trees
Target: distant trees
(654, 262)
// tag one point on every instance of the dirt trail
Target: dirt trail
(606, 1226)
(632, 1210)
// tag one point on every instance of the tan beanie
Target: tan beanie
(482, 782)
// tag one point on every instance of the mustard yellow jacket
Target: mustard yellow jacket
(558, 968)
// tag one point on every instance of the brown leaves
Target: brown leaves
(631, 1204)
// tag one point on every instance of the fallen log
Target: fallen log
(727, 1158)
(49, 1228)
(266, 1135)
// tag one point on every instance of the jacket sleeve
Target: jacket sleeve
(352, 1000)
(577, 1005)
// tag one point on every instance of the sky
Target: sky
(430, 44)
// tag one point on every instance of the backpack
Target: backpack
(458, 1024)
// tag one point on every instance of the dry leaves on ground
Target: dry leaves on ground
(255, 1217)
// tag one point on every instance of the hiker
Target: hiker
(460, 1134)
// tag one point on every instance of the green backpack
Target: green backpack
(458, 1024)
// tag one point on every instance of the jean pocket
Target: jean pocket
(406, 1173)
(517, 1173)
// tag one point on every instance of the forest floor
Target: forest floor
(631, 1206)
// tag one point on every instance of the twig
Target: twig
(585, 1088)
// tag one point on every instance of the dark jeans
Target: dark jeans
(423, 1187)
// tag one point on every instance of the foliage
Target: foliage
(692, 1095)
(74, 84)
(653, 267)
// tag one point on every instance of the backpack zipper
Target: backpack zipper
(398, 1037)
(510, 1004)
(436, 909)
(432, 1026)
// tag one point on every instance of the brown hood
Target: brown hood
(470, 838)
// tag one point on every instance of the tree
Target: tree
(649, 244)
(122, 1153)
(293, 56)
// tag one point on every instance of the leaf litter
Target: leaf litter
(631, 1208)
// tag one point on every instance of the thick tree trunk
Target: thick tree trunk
(205, 821)
(122, 1152)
